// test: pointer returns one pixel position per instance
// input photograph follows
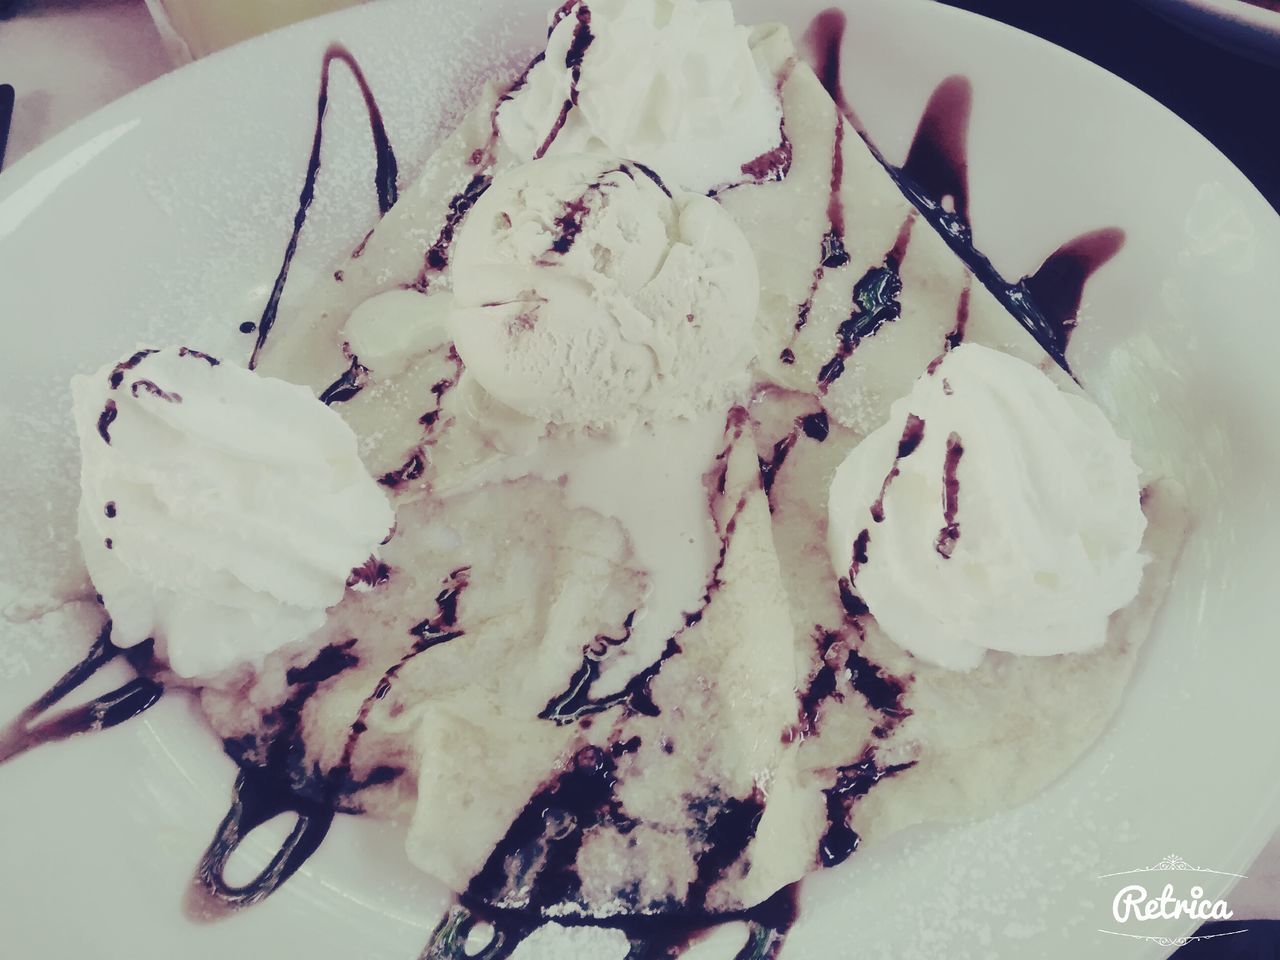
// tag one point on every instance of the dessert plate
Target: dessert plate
(164, 217)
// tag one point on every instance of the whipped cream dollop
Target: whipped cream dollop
(992, 512)
(671, 83)
(587, 294)
(221, 512)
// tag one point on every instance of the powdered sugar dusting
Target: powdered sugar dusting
(554, 942)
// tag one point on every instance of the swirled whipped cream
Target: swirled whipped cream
(587, 294)
(992, 512)
(221, 512)
(671, 83)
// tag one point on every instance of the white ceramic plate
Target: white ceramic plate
(164, 216)
(1243, 27)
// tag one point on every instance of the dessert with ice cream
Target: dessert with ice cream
(661, 501)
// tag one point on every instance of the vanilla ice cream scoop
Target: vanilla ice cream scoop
(587, 294)
(221, 512)
(993, 511)
(671, 83)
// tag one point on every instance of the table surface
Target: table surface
(67, 58)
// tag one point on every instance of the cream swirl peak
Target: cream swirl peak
(992, 512)
(221, 512)
(671, 83)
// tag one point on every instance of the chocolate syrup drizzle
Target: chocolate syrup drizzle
(437, 255)
(116, 377)
(934, 178)
(105, 419)
(883, 692)
(431, 632)
(853, 782)
(576, 701)
(416, 464)
(275, 778)
(659, 937)
(912, 434)
(816, 426)
(875, 303)
(950, 532)
(534, 867)
(775, 163)
(152, 388)
(385, 176)
(352, 381)
(582, 38)
(27, 730)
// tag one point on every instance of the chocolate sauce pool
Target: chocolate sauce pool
(274, 778)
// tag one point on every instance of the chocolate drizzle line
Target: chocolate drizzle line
(816, 426)
(106, 418)
(937, 161)
(118, 371)
(652, 175)
(352, 381)
(416, 463)
(775, 163)
(853, 782)
(150, 387)
(822, 686)
(576, 701)
(570, 222)
(582, 38)
(883, 693)
(912, 434)
(839, 656)
(412, 469)
(372, 573)
(384, 179)
(956, 336)
(437, 255)
(28, 730)
(534, 867)
(950, 532)
(272, 780)
(832, 255)
(875, 303)
(649, 937)
(1047, 302)
(199, 355)
(431, 632)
